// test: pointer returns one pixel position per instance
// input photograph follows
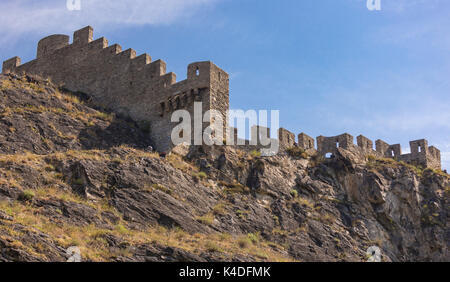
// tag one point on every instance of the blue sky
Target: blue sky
(329, 66)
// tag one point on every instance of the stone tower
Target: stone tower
(127, 84)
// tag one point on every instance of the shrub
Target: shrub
(121, 229)
(242, 214)
(207, 219)
(255, 153)
(294, 193)
(162, 188)
(104, 116)
(297, 152)
(244, 242)
(233, 188)
(316, 160)
(27, 195)
(78, 181)
(219, 209)
(304, 202)
(199, 175)
(212, 247)
(117, 161)
(254, 237)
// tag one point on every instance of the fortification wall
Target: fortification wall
(135, 86)
(306, 142)
(125, 83)
(421, 154)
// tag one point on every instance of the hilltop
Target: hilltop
(72, 174)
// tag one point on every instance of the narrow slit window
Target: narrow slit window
(163, 108)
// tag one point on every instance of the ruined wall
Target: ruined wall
(421, 154)
(327, 145)
(141, 89)
(286, 139)
(305, 142)
(125, 83)
(365, 144)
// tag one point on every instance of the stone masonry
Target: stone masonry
(127, 84)
(135, 86)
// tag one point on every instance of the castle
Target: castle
(135, 86)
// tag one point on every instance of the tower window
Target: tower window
(163, 108)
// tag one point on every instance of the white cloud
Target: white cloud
(23, 17)
(399, 6)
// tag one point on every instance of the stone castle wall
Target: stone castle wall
(125, 83)
(421, 154)
(135, 86)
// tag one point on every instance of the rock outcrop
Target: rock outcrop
(72, 175)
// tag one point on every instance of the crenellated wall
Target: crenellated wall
(141, 89)
(421, 154)
(125, 83)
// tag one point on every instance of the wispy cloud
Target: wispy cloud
(399, 6)
(22, 17)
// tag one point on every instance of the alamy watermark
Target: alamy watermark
(374, 5)
(74, 254)
(73, 5)
(373, 254)
(216, 133)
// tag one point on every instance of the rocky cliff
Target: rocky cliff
(75, 175)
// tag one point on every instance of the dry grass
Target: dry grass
(207, 219)
(378, 164)
(177, 162)
(94, 247)
(297, 152)
(304, 202)
(234, 188)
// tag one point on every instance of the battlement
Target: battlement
(421, 154)
(50, 44)
(135, 86)
(124, 82)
